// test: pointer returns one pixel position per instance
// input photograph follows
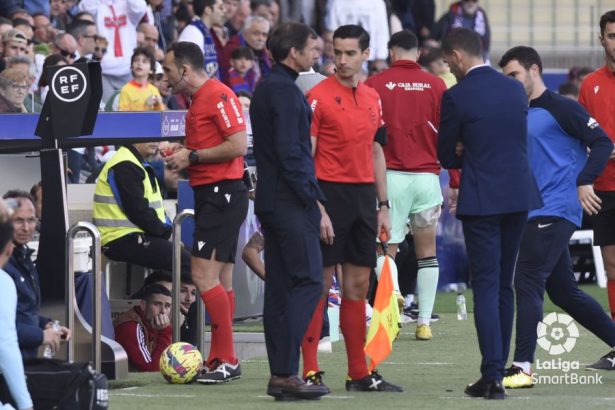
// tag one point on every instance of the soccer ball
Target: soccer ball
(181, 363)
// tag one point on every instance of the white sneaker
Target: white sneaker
(325, 345)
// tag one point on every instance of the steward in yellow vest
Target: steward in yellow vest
(129, 213)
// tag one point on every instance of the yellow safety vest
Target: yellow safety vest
(108, 215)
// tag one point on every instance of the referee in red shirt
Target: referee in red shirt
(347, 134)
(215, 144)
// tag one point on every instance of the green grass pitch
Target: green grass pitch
(433, 374)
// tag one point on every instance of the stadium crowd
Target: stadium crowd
(383, 103)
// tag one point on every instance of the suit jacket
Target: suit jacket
(487, 112)
(281, 128)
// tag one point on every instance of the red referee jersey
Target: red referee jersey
(214, 115)
(344, 122)
(411, 111)
(597, 94)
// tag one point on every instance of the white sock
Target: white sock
(423, 321)
(525, 366)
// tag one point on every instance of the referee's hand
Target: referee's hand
(326, 227)
(590, 202)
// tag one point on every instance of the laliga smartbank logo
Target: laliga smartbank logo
(557, 335)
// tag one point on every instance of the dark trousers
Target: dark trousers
(149, 251)
(492, 243)
(544, 263)
(293, 283)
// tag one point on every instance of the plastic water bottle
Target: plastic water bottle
(48, 353)
(462, 313)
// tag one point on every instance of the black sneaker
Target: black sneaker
(373, 382)
(606, 362)
(221, 373)
(315, 379)
(489, 390)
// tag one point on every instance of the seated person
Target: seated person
(11, 365)
(187, 297)
(145, 330)
(33, 330)
(129, 212)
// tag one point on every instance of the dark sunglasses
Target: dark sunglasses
(100, 50)
(67, 54)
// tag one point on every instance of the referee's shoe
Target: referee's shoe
(372, 382)
(220, 372)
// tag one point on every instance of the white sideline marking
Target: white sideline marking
(128, 388)
(436, 364)
(263, 396)
(179, 396)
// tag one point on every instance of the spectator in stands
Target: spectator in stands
(145, 330)
(84, 33)
(13, 90)
(26, 65)
(43, 85)
(5, 25)
(235, 21)
(138, 230)
(569, 89)
(199, 32)
(468, 14)
(36, 6)
(151, 35)
(139, 94)
(253, 35)
(369, 14)
(10, 357)
(33, 330)
(25, 27)
(66, 45)
(242, 61)
(433, 61)
(101, 48)
(43, 30)
(60, 19)
(37, 193)
(117, 21)
(21, 14)
(14, 43)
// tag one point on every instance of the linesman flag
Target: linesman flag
(385, 318)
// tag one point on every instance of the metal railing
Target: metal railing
(96, 291)
(175, 307)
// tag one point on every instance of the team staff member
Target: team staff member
(215, 144)
(412, 165)
(347, 134)
(560, 134)
(597, 94)
(286, 207)
(497, 189)
(129, 212)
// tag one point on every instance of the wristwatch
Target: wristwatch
(193, 157)
(384, 203)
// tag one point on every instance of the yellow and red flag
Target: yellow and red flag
(384, 326)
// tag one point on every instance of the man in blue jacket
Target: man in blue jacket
(286, 207)
(33, 330)
(560, 133)
(483, 131)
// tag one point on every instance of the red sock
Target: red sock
(231, 303)
(217, 306)
(611, 293)
(352, 322)
(309, 346)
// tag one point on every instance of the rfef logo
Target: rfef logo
(68, 84)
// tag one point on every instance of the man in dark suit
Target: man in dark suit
(286, 206)
(483, 131)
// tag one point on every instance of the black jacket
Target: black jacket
(281, 127)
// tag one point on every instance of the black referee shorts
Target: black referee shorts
(352, 209)
(219, 211)
(604, 222)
